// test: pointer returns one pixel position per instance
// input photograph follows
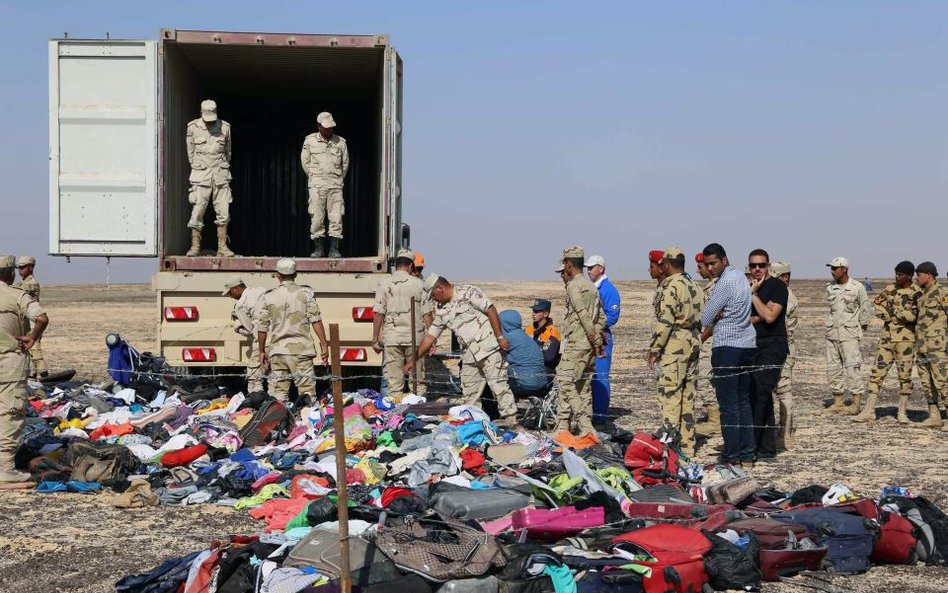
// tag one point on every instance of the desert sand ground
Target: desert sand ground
(76, 543)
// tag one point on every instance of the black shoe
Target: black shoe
(43, 374)
(334, 247)
(766, 458)
(320, 250)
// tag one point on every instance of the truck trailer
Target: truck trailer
(118, 170)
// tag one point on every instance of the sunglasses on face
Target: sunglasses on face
(757, 265)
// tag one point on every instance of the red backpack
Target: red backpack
(650, 460)
(679, 557)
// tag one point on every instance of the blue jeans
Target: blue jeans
(731, 367)
(600, 383)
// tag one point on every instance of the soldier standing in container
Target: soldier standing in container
(674, 347)
(583, 324)
(325, 159)
(287, 314)
(246, 312)
(18, 311)
(849, 316)
(30, 286)
(896, 306)
(392, 323)
(209, 150)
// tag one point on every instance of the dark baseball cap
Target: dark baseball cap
(541, 305)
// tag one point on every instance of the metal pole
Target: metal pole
(342, 503)
(414, 349)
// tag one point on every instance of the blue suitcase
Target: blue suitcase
(848, 538)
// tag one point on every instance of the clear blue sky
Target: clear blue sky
(812, 129)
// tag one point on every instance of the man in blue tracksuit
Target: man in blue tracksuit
(609, 295)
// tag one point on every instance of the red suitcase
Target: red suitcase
(774, 558)
(678, 552)
(770, 533)
(897, 541)
(555, 524)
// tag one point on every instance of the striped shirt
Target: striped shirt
(731, 299)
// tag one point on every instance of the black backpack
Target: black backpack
(731, 567)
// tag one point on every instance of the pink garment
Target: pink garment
(277, 512)
(270, 478)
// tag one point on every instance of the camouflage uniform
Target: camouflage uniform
(783, 395)
(676, 344)
(17, 310)
(931, 345)
(849, 313)
(287, 314)
(482, 362)
(393, 299)
(246, 311)
(896, 307)
(584, 317)
(705, 384)
(326, 163)
(30, 286)
(209, 151)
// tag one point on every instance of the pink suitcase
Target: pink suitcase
(554, 524)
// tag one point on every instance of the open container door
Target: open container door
(103, 169)
(393, 153)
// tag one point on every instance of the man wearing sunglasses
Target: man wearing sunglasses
(849, 316)
(769, 300)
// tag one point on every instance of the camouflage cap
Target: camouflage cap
(559, 267)
(325, 120)
(286, 266)
(672, 253)
(573, 252)
(779, 268)
(232, 282)
(838, 262)
(208, 110)
(25, 260)
(406, 253)
(430, 281)
(7, 261)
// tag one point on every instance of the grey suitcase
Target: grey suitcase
(320, 549)
(455, 502)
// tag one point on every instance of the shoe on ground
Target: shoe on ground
(14, 476)
(765, 459)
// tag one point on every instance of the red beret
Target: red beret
(656, 255)
(700, 258)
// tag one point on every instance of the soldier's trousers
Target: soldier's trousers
(677, 383)
(218, 195)
(490, 371)
(933, 375)
(323, 201)
(394, 358)
(36, 357)
(255, 371)
(705, 379)
(842, 366)
(574, 376)
(784, 401)
(13, 396)
(899, 353)
(768, 361)
(286, 369)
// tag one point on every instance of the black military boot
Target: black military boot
(334, 247)
(320, 250)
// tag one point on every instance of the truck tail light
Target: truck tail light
(363, 314)
(198, 354)
(181, 313)
(352, 354)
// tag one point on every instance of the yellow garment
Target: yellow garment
(215, 405)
